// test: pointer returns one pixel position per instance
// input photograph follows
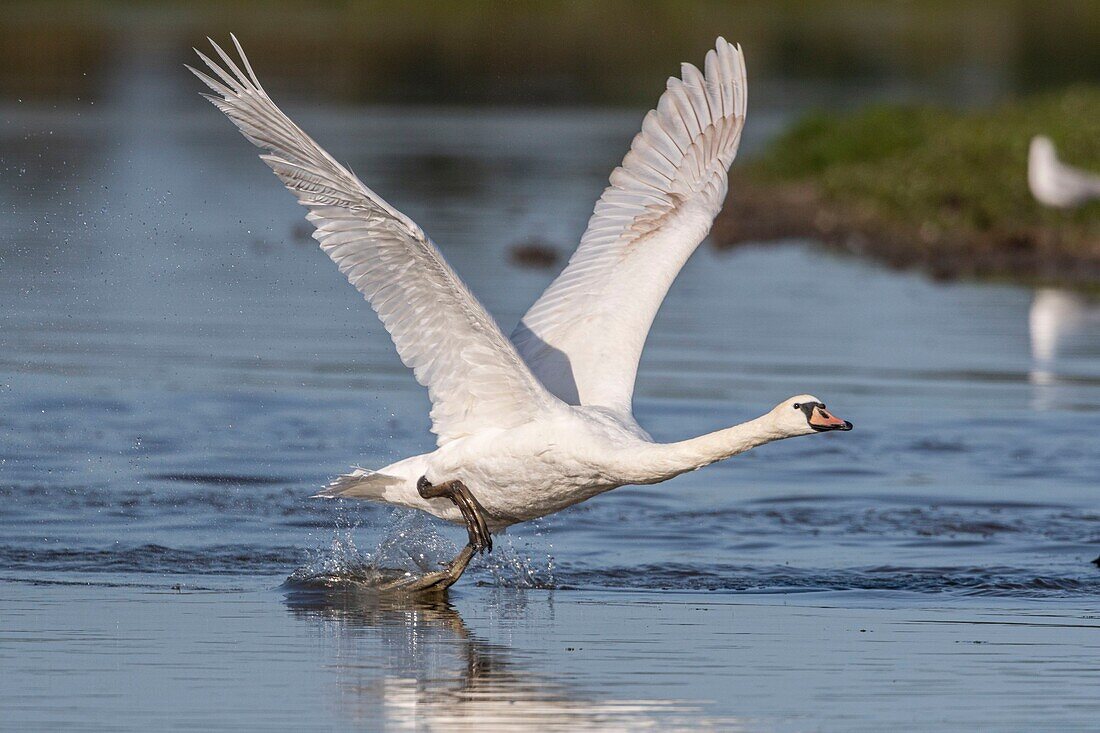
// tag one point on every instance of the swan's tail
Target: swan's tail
(394, 484)
(360, 484)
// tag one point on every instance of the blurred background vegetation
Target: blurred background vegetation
(895, 129)
(543, 52)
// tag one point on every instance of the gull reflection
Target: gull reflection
(1055, 319)
(414, 664)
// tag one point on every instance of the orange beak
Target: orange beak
(821, 419)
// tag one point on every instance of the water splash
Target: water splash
(521, 561)
(411, 544)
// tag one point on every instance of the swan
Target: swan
(1053, 183)
(530, 425)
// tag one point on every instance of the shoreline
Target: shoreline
(944, 190)
(758, 213)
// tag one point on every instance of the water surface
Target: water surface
(180, 369)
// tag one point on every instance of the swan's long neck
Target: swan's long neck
(661, 461)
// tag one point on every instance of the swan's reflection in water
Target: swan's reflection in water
(408, 664)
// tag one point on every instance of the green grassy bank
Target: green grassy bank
(942, 189)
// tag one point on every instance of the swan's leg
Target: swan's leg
(467, 503)
(440, 580)
(479, 538)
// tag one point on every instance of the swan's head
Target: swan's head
(805, 415)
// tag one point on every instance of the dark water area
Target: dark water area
(180, 369)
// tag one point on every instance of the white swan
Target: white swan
(534, 424)
(1053, 183)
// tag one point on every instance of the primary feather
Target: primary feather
(583, 338)
(475, 378)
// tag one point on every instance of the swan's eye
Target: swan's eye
(797, 406)
(821, 405)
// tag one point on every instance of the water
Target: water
(180, 369)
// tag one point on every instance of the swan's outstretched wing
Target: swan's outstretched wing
(473, 374)
(584, 336)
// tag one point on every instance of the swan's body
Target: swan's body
(1053, 183)
(552, 463)
(537, 423)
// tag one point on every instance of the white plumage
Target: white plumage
(534, 427)
(1053, 183)
(584, 336)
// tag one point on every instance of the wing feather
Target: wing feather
(584, 336)
(475, 378)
